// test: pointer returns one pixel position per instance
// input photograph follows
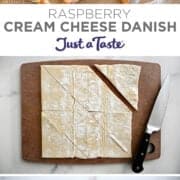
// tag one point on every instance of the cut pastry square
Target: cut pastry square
(118, 135)
(81, 116)
(55, 84)
(125, 78)
(117, 122)
(57, 134)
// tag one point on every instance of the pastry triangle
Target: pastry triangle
(125, 78)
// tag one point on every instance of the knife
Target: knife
(153, 125)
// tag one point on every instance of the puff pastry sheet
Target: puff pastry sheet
(81, 116)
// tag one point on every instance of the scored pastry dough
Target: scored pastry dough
(125, 78)
(81, 116)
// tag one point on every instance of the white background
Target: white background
(43, 44)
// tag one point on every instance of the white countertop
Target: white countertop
(10, 128)
(88, 177)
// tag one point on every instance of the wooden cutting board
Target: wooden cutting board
(149, 85)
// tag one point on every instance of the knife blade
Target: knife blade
(153, 125)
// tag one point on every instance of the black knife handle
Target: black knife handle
(137, 165)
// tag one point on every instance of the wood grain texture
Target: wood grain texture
(149, 86)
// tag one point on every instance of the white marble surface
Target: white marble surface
(10, 119)
(88, 177)
(78, 177)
